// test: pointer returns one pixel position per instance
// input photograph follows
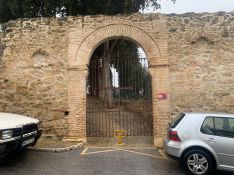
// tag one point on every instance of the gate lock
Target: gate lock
(120, 134)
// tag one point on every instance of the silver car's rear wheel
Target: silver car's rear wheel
(197, 164)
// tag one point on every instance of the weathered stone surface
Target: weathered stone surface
(201, 62)
(43, 68)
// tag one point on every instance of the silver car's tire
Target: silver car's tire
(198, 162)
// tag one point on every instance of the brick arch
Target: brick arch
(202, 35)
(129, 32)
(78, 71)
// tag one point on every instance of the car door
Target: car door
(218, 133)
(224, 137)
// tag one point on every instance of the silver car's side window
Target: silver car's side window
(208, 126)
(224, 126)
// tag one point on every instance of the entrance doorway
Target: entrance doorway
(119, 91)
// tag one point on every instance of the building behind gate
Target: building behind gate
(44, 66)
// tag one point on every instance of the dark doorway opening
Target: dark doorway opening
(119, 91)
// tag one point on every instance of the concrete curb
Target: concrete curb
(58, 150)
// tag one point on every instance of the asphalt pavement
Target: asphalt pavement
(92, 161)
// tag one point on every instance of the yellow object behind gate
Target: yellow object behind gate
(120, 134)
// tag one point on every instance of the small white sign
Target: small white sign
(26, 142)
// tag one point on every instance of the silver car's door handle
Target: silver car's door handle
(210, 140)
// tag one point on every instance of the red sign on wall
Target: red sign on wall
(162, 96)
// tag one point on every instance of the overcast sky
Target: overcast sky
(183, 6)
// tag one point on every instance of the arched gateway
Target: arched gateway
(80, 53)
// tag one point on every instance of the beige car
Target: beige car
(202, 141)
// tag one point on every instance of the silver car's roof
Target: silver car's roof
(215, 114)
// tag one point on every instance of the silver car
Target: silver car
(202, 141)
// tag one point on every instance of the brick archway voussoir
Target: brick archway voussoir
(94, 39)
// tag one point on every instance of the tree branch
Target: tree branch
(112, 47)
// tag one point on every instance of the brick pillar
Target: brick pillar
(77, 103)
(161, 108)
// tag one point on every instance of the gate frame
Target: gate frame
(78, 73)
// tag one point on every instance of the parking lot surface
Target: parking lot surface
(92, 161)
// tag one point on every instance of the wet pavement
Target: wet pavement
(49, 142)
(92, 161)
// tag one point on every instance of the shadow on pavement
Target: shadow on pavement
(223, 173)
(13, 159)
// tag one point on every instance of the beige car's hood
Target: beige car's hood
(8, 120)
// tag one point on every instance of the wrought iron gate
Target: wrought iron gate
(119, 97)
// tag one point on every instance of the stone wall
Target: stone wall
(35, 81)
(2, 47)
(43, 67)
(201, 59)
